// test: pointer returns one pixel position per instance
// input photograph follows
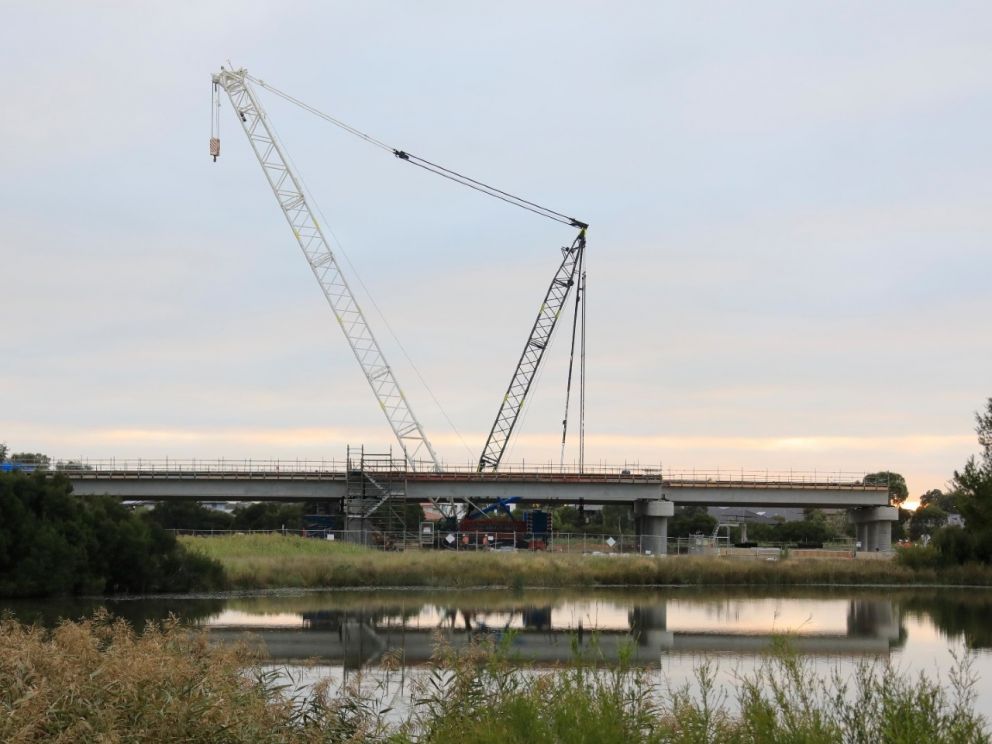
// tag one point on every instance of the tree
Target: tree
(67, 465)
(268, 516)
(984, 431)
(946, 501)
(898, 491)
(926, 520)
(567, 519)
(811, 530)
(973, 483)
(691, 520)
(184, 514)
(53, 542)
(35, 459)
(618, 518)
(3, 451)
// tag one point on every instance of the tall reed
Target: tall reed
(99, 680)
(275, 561)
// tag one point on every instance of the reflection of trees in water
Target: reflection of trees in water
(468, 617)
(187, 610)
(956, 614)
(724, 609)
(136, 612)
(865, 617)
(334, 618)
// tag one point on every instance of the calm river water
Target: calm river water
(335, 634)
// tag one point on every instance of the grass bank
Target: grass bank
(277, 561)
(97, 680)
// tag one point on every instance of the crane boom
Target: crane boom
(530, 359)
(289, 193)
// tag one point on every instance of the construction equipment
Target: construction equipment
(289, 193)
(496, 526)
(533, 354)
(288, 190)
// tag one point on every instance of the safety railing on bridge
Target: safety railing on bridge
(335, 468)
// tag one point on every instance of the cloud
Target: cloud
(788, 253)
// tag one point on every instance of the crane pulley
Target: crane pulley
(292, 200)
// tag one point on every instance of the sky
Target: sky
(788, 258)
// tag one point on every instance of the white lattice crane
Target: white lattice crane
(292, 200)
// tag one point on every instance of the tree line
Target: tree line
(53, 542)
(970, 497)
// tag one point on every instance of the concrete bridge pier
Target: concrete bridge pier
(650, 626)
(651, 518)
(874, 527)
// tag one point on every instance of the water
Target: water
(336, 634)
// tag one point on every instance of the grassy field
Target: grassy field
(98, 680)
(277, 561)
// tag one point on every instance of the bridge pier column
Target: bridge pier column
(649, 625)
(874, 527)
(355, 530)
(861, 536)
(652, 524)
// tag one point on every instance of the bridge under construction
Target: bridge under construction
(653, 493)
(364, 484)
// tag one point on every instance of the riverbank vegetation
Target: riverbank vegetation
(278, 561)
(99, 680)
(967, 538)
(52, 542)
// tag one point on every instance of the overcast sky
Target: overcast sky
(789, 262)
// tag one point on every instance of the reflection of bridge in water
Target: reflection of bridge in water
(534, 634)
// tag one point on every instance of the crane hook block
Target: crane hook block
(215, 147)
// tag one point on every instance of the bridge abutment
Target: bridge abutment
(874, 527)
(651, 518)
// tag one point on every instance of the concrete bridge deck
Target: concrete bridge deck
(653, 492)
(306, 481)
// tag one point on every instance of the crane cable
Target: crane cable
(482, 188)
(427, 165)
(326, 225)
(571, 356)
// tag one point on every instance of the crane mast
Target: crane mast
(533, 353)
(289, 193)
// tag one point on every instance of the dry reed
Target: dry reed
(275, 561)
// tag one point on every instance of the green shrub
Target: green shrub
(956, 545)
(919, 556)
(53, 542)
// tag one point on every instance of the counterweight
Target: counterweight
(292, 200)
